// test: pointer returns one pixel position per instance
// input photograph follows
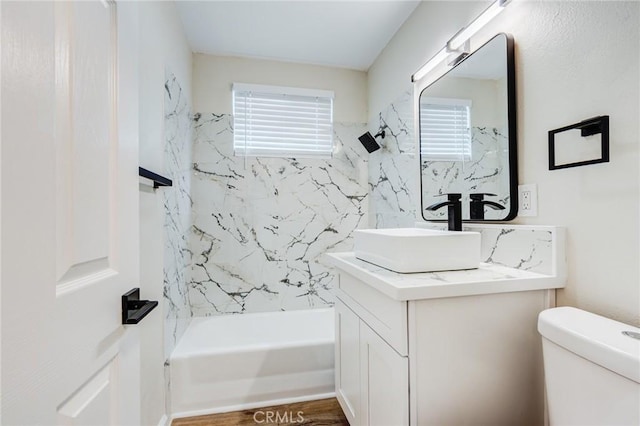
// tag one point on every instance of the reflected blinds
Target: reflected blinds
(445, 129)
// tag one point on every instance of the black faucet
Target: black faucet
(455, 210)
(476, 208)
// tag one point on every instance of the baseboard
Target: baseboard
(251, 406)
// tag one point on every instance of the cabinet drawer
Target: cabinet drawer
(385, 316)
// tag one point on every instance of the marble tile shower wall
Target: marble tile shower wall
(260, 225)
(178, 129)
(393, 185)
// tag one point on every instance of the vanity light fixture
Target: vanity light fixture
(483, 19)
(458, 46)
(431, 64)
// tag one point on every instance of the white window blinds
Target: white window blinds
(445, 129)
(272, 121)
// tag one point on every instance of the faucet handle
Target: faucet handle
(476, 209)
(452, 196)
(455, 210)
(480, 195)
(453, 200)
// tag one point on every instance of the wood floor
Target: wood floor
(318, 413)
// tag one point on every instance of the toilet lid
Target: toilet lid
(593, 337)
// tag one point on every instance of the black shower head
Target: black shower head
(369, 141)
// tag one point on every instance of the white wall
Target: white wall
(574, 60)
(162, 45)
(422, 36)
(214, 75)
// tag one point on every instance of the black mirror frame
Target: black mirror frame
(512, 210)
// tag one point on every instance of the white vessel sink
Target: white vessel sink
(408, 250)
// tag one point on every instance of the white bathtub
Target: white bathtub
(237, 362)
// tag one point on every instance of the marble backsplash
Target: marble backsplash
(520, 247)
(532, 248)
(178, 133)
(260, 225)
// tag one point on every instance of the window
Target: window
(445, 129)
(271, 121)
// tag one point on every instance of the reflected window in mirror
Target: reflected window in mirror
(468, 134)
(446, 125)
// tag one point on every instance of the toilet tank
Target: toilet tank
(591, 369)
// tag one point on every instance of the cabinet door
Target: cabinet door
(384, 382)
(347, 367)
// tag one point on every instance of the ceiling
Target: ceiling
(345, 34)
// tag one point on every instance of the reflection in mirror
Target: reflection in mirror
(468, 135)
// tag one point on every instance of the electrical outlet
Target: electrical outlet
(528, 200)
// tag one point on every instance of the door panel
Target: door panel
(70, 153)
(347, 362)
(95, 403)
(385, 381)
(86, 137)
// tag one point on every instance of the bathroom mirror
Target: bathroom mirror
(467, 135)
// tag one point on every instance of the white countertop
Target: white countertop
(487, 279)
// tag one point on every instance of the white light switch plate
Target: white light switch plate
(528, 200)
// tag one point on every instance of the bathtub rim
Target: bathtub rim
(180, 353)
(249, 348)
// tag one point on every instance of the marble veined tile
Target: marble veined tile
(526, 249)
(177, 206)
(393, 185)
(529, 248)
(260, 225)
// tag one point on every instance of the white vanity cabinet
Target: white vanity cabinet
(372, 379)
(347, 362)
(442, 357)
(372, 363)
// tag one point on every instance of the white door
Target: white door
(69, 212)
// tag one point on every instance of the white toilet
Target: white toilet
(592, 369)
